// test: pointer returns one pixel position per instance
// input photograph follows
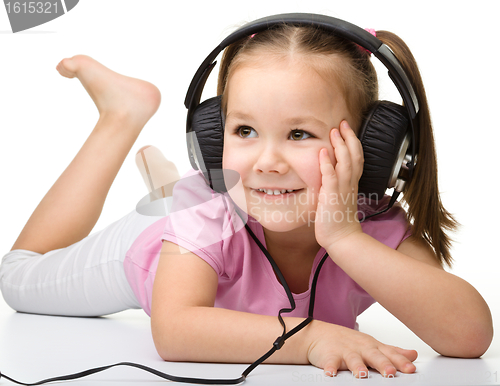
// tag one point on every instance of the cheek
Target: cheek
(237, 193)
(236, 166)
(310, 171)
(231, 160)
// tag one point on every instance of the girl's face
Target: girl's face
(279, 115)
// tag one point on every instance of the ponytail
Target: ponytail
(425, 210)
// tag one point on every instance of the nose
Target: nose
(271, 160)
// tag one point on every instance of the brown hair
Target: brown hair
(350, 67)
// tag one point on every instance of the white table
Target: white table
(34, 347)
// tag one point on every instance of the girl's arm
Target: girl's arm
(186, 327)
(443, 310)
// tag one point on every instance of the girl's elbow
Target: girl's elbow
(479, 343)
(166, 347)
(168, 355)
(480, 336)
(472, 334)
(166, 341)
(469, 344)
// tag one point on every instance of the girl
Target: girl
(293, 100)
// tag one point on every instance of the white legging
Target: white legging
(84, 279)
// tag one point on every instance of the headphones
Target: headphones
(387, 134)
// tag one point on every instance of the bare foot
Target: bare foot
(158, 173)
(115, 95)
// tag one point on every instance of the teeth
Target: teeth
(275, 192)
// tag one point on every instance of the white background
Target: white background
(45, 118)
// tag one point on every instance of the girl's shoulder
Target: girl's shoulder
(391, 227)
(200, 217)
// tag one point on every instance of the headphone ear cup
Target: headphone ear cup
(208, 126)
(381, 136)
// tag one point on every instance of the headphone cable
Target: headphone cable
(278, 343)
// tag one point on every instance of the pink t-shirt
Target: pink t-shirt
(205, 223)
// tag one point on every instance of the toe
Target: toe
(66, 68)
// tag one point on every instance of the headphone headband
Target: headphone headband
(336, 26)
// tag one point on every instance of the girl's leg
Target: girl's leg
(85, 279)
(70, 209)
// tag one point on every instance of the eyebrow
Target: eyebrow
(239, 115)
(290, 121)
(306, 119)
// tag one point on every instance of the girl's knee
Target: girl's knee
(12, 260)
(18, 255)
(12, 274)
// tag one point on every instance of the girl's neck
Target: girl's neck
(294, 253)
(297, 242)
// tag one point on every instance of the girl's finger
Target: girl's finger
(356, 365)
(377, 360)
(355, 150)
(344, 163)
(329, 180)
(402, 362)
(325, 163)
(332, 366)
(334, 159)
(410, 354)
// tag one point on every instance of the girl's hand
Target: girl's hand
(336, 214)
(335, 348)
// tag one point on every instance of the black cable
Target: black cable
(278, 343)
(142, 367)
(392, 201)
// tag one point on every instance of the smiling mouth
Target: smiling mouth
(276, 192)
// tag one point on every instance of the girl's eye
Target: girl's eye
(245, 132)
(298, 135)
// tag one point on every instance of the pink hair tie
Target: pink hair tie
(374, 33)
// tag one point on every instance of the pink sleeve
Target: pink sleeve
(199, 220)
(390, 228)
